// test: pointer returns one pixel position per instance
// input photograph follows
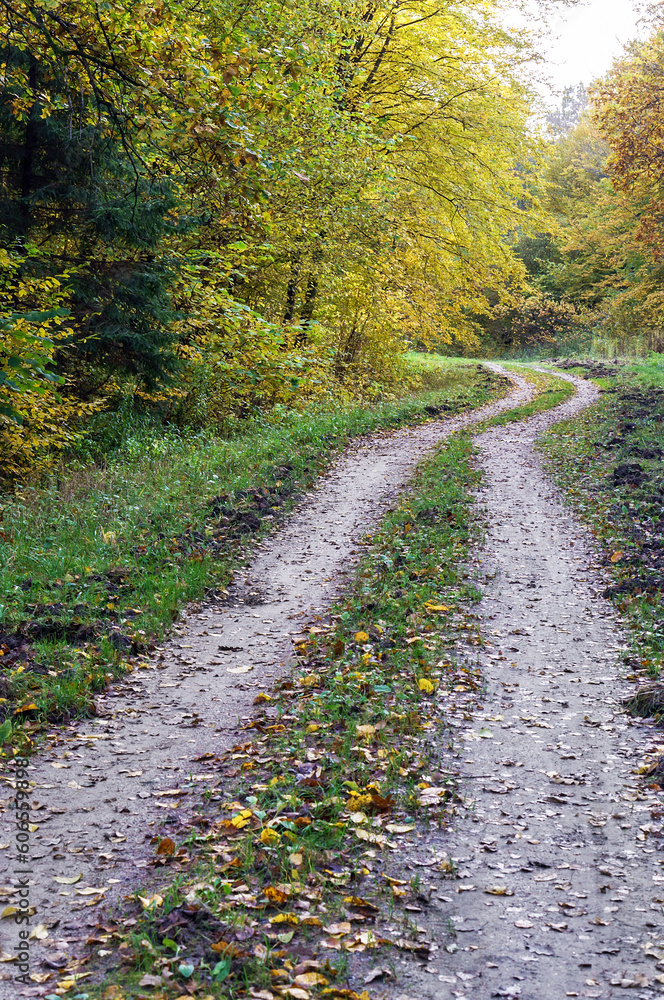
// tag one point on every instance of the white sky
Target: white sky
(589, 38)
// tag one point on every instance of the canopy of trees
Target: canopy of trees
(219, 206)
(603, 257)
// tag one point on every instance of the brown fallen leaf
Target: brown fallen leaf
(377, 973)
(166, 846)
(361, 904)
(228, 950)
(311, 979)
(276, 896)
(343, 927)
(150, 980)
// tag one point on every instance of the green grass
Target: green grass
(609, 462)
(98, 561)
(365, 707)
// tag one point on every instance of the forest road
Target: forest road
(103, 786)
(561, 883)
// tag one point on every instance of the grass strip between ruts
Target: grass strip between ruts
(551, 391)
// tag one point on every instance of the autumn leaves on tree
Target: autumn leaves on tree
(605, 177)
(209, 208)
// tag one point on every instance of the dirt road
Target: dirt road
(102, 789)
(561, 881)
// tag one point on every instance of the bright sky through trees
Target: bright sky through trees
(588, 38)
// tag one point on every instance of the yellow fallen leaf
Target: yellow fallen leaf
(90, 890)
(310, 979)
(275, 895)
(241, 819)
(40, 932)
(108, 537)
(148, 901)
(499, 890)
(617, 555)
(270, 837)
(424, 684)
(361, 637)
(296, 859)
(285, 918)
(296, 992)
(436, 607)
(365, 730)
(67, 879)
(310, 680)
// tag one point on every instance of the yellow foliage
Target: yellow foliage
(35, 421)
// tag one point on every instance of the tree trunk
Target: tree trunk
(291, 288)
(29, 145)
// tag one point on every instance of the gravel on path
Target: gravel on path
(103, 787)
(561, 884)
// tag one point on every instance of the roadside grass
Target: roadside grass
(609, 462)
(288, 865)
(98, 560)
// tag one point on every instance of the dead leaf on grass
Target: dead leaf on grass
(311, 979)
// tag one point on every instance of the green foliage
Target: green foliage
(603, 252)
(252, 206)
